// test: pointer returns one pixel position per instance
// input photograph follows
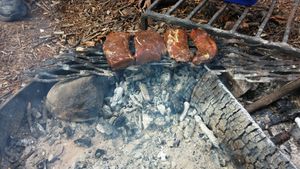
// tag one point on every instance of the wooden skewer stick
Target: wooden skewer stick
(275, 95)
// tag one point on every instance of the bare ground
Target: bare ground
(53, 26)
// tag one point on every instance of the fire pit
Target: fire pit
(159, 115)
(149, 118)
(163, 114)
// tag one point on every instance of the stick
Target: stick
(275, 95)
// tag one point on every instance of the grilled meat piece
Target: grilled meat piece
(149, 46)
(116, 50)
(207, 48)
(177, 45)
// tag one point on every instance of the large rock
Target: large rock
(77, 100)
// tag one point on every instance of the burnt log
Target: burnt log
(234, 127)
(274, 96)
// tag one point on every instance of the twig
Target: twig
(43, 7)
(44, 41)
(125, 6)
(275, 95)
(280, 138)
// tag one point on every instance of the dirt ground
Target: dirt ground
(53, 26)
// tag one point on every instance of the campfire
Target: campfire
(153, 100)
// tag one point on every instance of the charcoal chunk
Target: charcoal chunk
(99, 153)
(84, 142)
(69, 131)
(120, 121)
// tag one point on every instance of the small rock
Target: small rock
(99, 153)
(120, 121)
(107, 113)
(36, 114)
(80, 165)
(105, 128)
(42, 164)
(192, 112)
(50, 157)
(84, 142)
(238, 87)
(69, 131)
(40, 129)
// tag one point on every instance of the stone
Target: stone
(99, 153)
(192, 112)
(78, 99)
(40, 129)
(36, 114)
(84, 142)
(107, 113)
(105, 128)
(120, 121)
(238, 87)
(80, 165)
(69, 131)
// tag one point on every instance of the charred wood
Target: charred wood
(275, 95)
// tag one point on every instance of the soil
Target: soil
(54, 26)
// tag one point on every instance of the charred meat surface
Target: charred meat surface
(177, 45)
(149, 47)
(116, 50)
(207, 48)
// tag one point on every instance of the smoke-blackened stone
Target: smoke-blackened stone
(78, 99)
(99, 153)
(84, 142)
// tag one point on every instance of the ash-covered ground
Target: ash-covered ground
(148, 123)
